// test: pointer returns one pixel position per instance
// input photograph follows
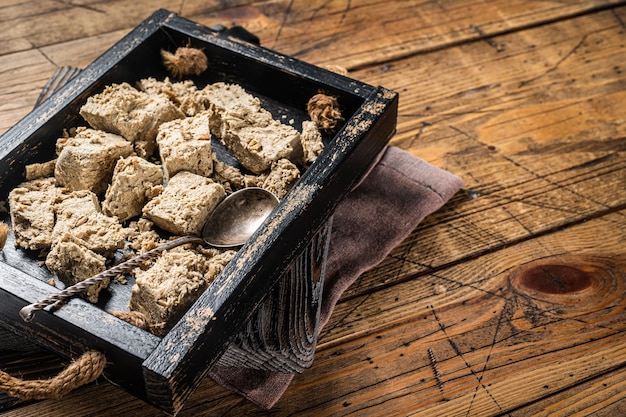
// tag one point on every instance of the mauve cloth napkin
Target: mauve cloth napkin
(377, 215)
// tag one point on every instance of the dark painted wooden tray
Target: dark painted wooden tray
(262, 311)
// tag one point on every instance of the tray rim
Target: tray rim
(191, 337)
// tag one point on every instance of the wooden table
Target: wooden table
(509, 300)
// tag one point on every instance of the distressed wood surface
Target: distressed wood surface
(510, 299)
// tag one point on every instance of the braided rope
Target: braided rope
(87, 368)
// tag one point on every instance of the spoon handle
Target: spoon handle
(27, 313)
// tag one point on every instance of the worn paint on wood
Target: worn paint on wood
(523, 101)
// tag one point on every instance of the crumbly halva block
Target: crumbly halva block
(312, 144)
(31, 205)
(185, 145)
(164, 292)
(135, 181)
(232, 99)
(257, 147)
(142, 237)
(79, 215)
(281, 178)
(232, 178)
(71, 261)
(248, 130)
(185, 204)
(87, 159)
(40, 170)
(133, 114)
(183, 94)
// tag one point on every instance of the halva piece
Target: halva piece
(249, 132)
(142, 237)
(185, 204)
(281, 178)
(133, 114)
(166, 290)
(135, 181)
(312, 144)
(31, 206)
(257, 147)
(232, 178)
(79, 215)
(40, 170)
(183, 94)
(185, 145)
(232, 99)
(87, 159)
(71, 261)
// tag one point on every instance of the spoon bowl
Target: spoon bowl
(238, 216)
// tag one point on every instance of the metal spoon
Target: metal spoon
(230, 224)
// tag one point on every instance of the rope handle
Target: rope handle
(87, 368)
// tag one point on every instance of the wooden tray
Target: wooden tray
(262, 311)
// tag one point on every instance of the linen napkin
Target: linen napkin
(377, 215)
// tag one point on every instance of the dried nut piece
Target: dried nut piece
(324, 111)
(185, 61)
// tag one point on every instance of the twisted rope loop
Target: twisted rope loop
(82, 371)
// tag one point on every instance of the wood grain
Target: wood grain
(371, 32)
(33, 25)
(281, 336)
(524, 101)
(538, 146)
(487, 334)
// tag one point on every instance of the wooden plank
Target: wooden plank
(370, 33)
(396, 28)
(33, 25)
(462, 114)
(606, 400)
(538, 146)
(364, 33)
(24, 74)
(487, 345)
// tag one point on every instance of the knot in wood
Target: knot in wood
(555, 279)
(571, 285)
